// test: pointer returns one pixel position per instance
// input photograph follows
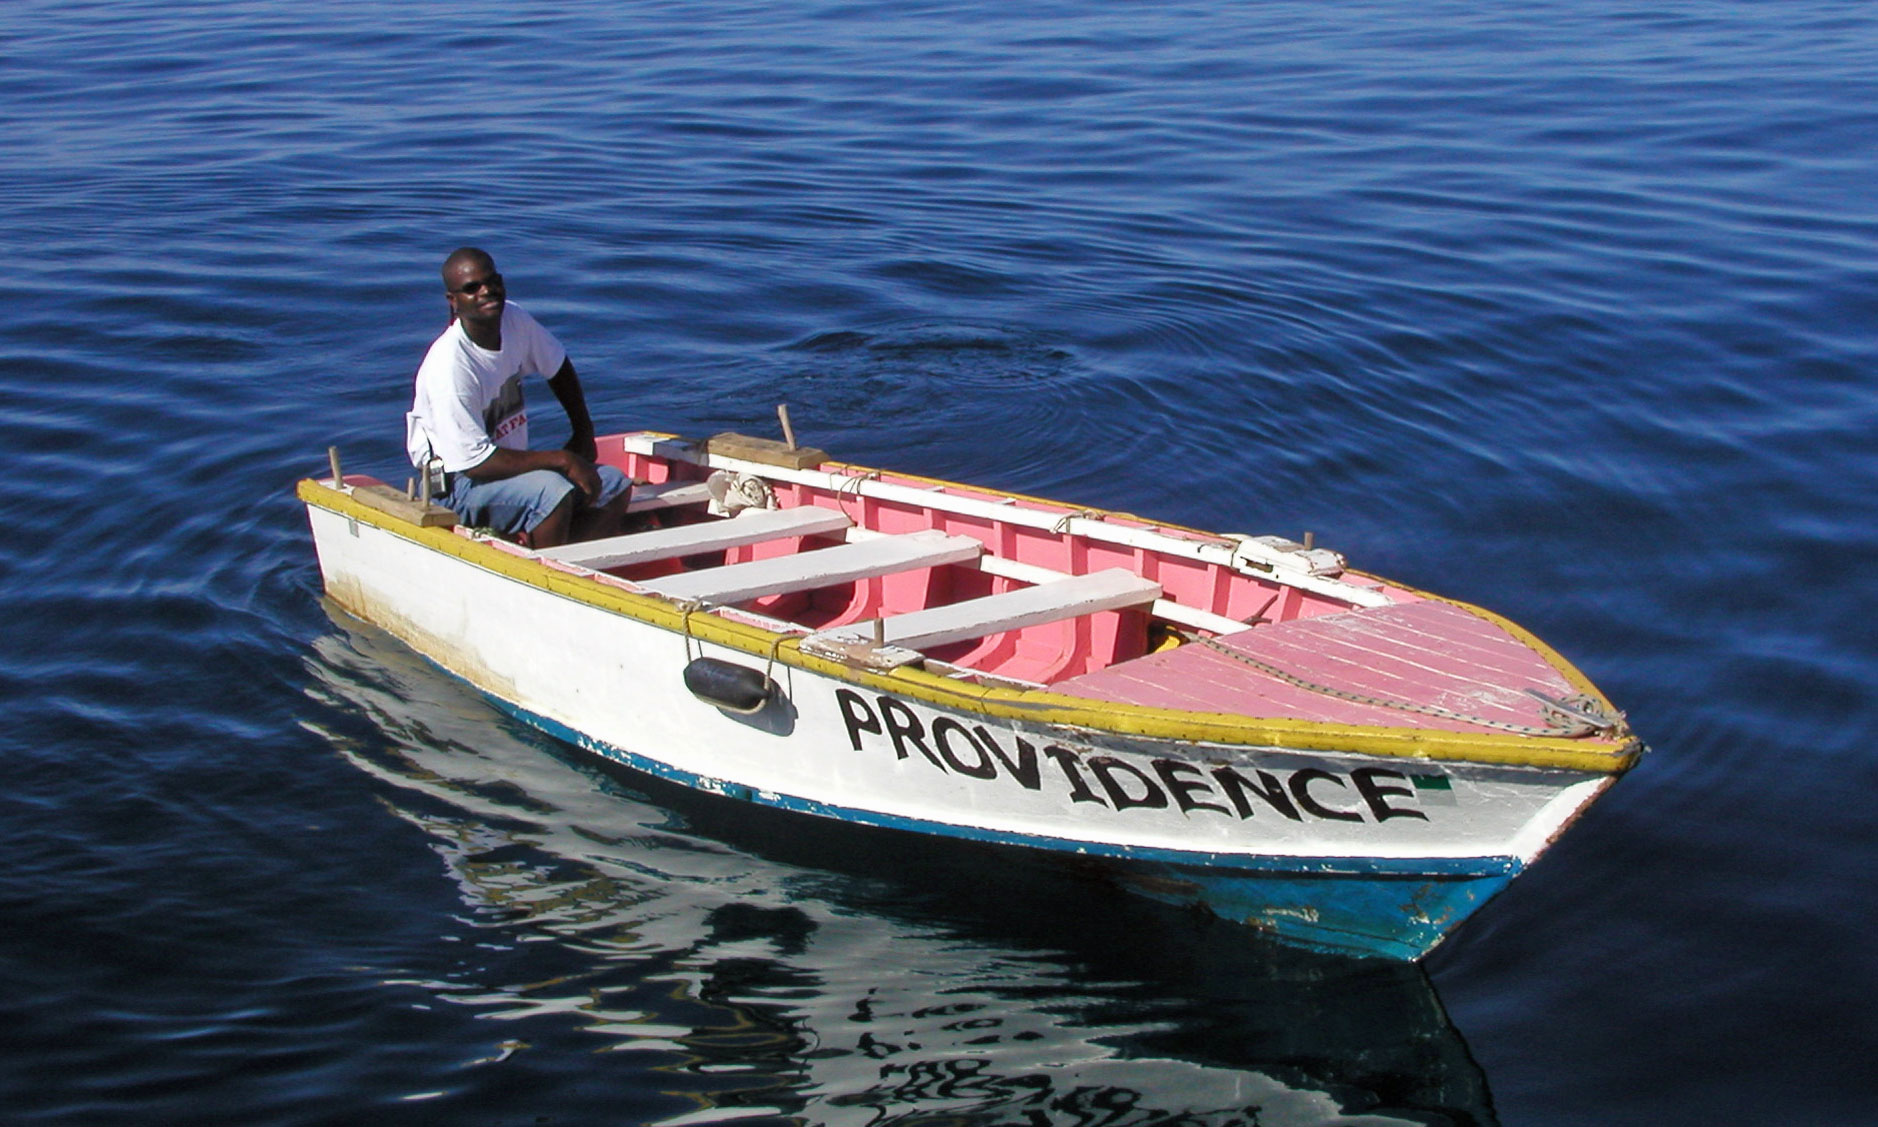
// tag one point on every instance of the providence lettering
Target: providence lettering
(1365, 794)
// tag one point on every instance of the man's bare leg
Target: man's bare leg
(553, 529)
(607, 520)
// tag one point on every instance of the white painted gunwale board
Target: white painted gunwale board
(1219, 551)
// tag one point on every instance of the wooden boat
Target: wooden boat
(1239, 722)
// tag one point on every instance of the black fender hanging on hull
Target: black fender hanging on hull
(729, 686)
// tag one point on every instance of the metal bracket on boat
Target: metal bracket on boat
(1275, 553)
(1580, 712)
(861, 652)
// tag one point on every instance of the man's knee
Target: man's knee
(512, 505)
(548, 494)
(615, 489)
(553, 528)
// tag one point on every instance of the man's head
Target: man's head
(473, 287)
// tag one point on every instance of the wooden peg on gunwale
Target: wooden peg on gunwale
(332, 455)
(789, 432)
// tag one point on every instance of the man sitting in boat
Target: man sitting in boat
(468, 426)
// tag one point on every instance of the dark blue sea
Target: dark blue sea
(1566, 308)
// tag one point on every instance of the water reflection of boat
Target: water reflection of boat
(828, 973)
(1223, 720)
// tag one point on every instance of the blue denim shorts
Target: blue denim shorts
(513, 505)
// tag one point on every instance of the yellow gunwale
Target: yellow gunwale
(1032, 705)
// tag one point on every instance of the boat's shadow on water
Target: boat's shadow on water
(839, 974)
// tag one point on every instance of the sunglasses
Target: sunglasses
(472, 288)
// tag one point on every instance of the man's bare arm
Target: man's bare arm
(503, 462)
(566, 387)
(575, 461)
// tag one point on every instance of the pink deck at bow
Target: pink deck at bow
(1425, 652)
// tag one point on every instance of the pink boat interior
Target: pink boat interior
(1171, 628)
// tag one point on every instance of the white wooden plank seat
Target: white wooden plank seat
(667, 495)
(1114, 589)
(752, 526)
(826, 567)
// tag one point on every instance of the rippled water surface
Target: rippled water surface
(1569, 309)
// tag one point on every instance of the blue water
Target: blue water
(1568, 308)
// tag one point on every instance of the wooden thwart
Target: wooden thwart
(1113, 589)
(845, 563)
(752, 526)
(667, 495)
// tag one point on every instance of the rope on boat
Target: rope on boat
(693, 606)
(690, 607)
(1061, 527)
(851, 486)
(775, 646)
(1576, 715)
(732, 492)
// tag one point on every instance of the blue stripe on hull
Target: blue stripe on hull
(1397, 916)
(1397, 908)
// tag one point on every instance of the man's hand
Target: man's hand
(573, 461)
(503, 463)
(580, 470)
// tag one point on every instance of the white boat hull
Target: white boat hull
(1335, 849)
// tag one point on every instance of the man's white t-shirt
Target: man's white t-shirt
(468, 399)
